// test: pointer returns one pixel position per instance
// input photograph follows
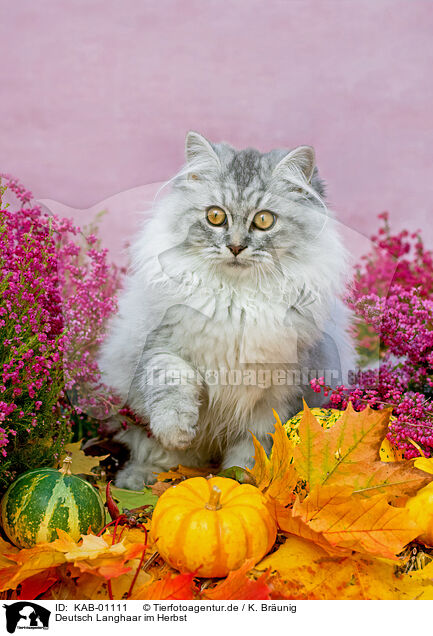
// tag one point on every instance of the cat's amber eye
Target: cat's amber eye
(216, 216)
(264, 220)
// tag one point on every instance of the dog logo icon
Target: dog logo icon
(26, 615)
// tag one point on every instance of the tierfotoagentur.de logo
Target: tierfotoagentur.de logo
(26, 615)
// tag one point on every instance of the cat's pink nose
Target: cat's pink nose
(236, 249)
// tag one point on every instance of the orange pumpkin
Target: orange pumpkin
(212, 526)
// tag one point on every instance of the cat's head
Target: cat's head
(243, 213)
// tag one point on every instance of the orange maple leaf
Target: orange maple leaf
(27, 563)
(345, 520)
(238, 586)
(36, 585)
(347, 507)
(275, 476)
(175, 588)
(347, 454)
(295, 525)
(184, 472)
(92, 554)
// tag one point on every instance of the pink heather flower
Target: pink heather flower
(56, 292)
(392, 297)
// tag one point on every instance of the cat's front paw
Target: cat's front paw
(175, 429)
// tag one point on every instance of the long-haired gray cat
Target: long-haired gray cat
(231, 307)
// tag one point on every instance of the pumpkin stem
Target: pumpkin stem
(66, 468)
(214, 502)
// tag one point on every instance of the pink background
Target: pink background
(97, 95)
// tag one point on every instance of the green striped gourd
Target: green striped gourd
(42, 500)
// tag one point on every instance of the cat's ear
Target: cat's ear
(199, 152)
(301, 159)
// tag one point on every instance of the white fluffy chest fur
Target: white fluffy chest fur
(227, 332)
(232, 340)
(219, 329)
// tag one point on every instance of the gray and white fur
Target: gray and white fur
(207, 342)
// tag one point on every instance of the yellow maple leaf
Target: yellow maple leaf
(291, 555)
(378, 580)
(275, 476)
(389, 453)
(347, 454)
(122, 584)
(101, 557)
(347, 507)
(304, 570)
(27, 563)
(96, 556)
(131, 535)
(425, 464)
(315, 575)
(82, 464)
(91, 547)
(367, 525)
